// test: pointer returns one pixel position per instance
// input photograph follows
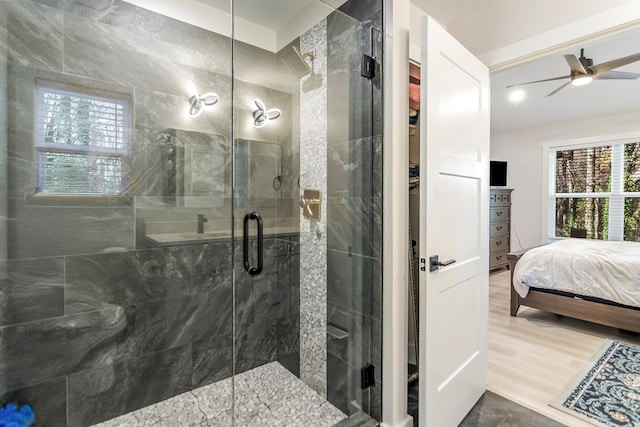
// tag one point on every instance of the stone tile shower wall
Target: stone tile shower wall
(354, 200)
(94, 320)
(341, 282)
(313, 233)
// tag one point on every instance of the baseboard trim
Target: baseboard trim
(406, 422)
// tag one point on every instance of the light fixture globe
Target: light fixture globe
(581, 79)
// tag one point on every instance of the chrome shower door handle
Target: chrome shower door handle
(253, 271)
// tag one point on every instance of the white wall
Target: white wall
(523, 150)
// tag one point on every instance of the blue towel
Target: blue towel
(12, 416)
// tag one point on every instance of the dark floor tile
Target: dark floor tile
(491, 410)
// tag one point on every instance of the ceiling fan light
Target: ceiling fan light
(581, 80)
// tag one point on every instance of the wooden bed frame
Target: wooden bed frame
(591, 311)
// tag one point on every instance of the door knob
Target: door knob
(434, 263)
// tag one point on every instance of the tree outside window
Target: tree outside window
(597, 189)
(82, 141)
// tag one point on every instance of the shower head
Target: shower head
(296, 62)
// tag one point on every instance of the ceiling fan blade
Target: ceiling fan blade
(610, 65)
(575, 64)
(559, 89)
(617, 75)
(540, 81)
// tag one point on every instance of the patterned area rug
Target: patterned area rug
(606, 392)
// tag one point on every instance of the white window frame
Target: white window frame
(123, 152)
(616, 196)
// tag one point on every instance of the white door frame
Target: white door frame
(395, 219)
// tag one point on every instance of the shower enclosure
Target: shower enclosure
(190, 208)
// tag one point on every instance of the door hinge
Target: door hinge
(367, 376)
(368, 66)
(423, 264)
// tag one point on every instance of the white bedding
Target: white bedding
(602, 269)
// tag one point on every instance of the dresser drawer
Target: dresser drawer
(497, 259)
(498, 229)
(499, 244)
(498, 214)
(497, 198)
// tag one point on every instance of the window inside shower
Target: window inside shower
(82, 141)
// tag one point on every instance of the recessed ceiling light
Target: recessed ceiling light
(516, 95)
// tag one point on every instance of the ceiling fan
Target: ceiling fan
(583, 71)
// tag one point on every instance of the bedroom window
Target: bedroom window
(82, 141)
(595, 188)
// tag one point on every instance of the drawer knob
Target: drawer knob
(499, 242)
(499, 228)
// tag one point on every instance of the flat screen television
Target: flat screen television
(497, 173)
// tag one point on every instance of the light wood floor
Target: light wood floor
(533, 356)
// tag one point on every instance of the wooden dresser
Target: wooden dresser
(499, 227)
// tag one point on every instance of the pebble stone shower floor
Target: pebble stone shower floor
(268, 395)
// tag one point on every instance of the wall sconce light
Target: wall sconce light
(262, 115)
(198, 102)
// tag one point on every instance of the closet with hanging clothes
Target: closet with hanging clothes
(414, 216)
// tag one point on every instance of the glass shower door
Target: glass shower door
(115, 216)
(307, 169)
(135, 147)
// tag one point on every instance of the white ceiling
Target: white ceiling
(597, 99)
(489, 26)
(273, 24)
(485, 26)
(271, 14)
(451, 11)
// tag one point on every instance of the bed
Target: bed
(596, 281)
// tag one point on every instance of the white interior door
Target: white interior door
(454, 157)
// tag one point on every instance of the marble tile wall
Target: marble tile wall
(145, 325)
(60, 41)
(88, 334)
(342, 251)
(149, 324)
(4, 184)
(313, 233)
(94, 323)
(354, 197)
(267, 307)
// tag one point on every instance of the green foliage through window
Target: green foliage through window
(82, 142)
(594, 188)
